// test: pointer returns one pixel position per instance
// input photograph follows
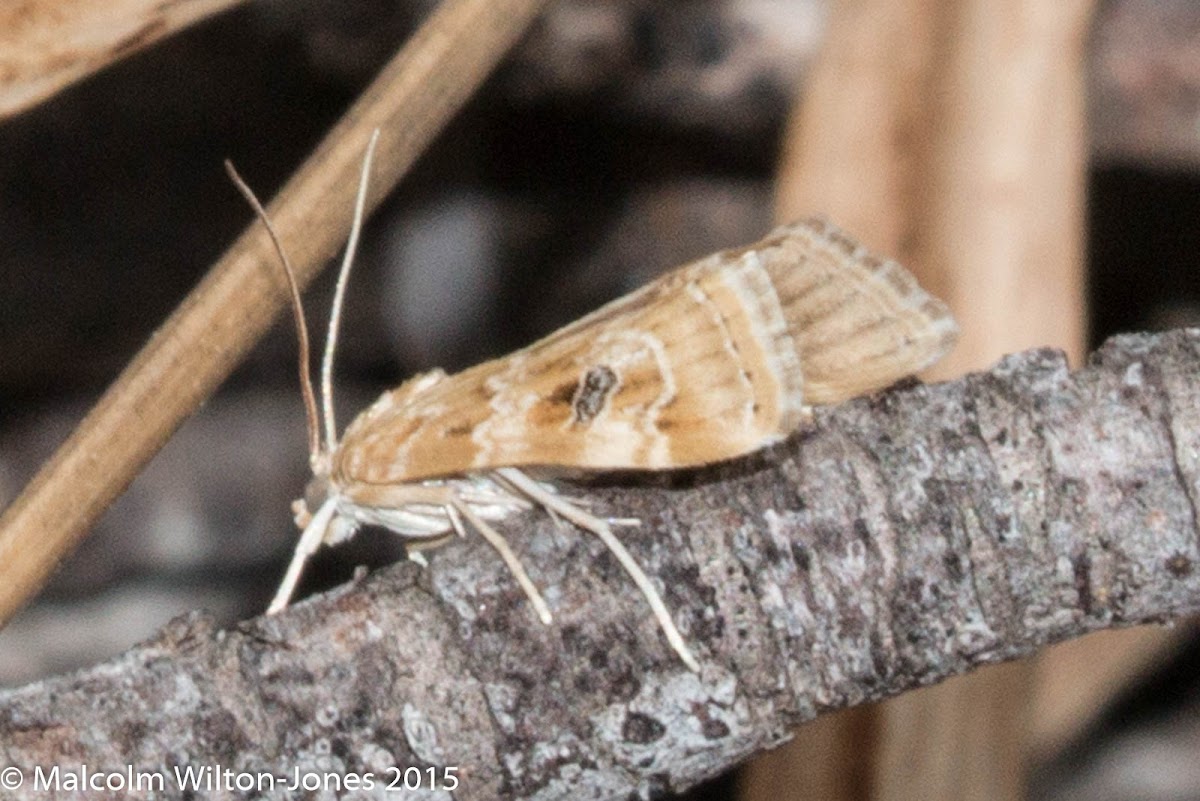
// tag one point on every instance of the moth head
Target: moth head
(320, 502)
(316, 492)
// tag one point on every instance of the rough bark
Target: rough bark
(896, 541)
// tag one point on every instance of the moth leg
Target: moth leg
(310, 541)
(456, 522)
(497, 541)
(581, 505)
(414, 549)
(600, 528)
(427, 543)
(559, 523)
(506, 498)
(501, 477)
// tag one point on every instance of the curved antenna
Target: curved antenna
(339, 295)
(306, 385)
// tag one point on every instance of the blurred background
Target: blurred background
(1036, 163)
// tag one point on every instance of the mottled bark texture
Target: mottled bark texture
(896, 541)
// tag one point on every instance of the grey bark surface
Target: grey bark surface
(896, 541)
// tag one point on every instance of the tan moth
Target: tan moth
(709, 362)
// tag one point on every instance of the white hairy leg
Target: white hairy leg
(601, 529)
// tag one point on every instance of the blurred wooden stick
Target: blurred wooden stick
(193, 351)
(951, 135)
(846, 155)
(46, 45)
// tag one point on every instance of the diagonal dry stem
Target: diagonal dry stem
(193, 351)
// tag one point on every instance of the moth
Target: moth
(710, 362)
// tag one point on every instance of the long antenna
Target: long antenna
(339, 295)
(306, 385)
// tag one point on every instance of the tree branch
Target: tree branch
(899, 540)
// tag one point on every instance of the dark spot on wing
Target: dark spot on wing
(594, 389)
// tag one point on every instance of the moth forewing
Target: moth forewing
(707, 363)
(859, 322)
